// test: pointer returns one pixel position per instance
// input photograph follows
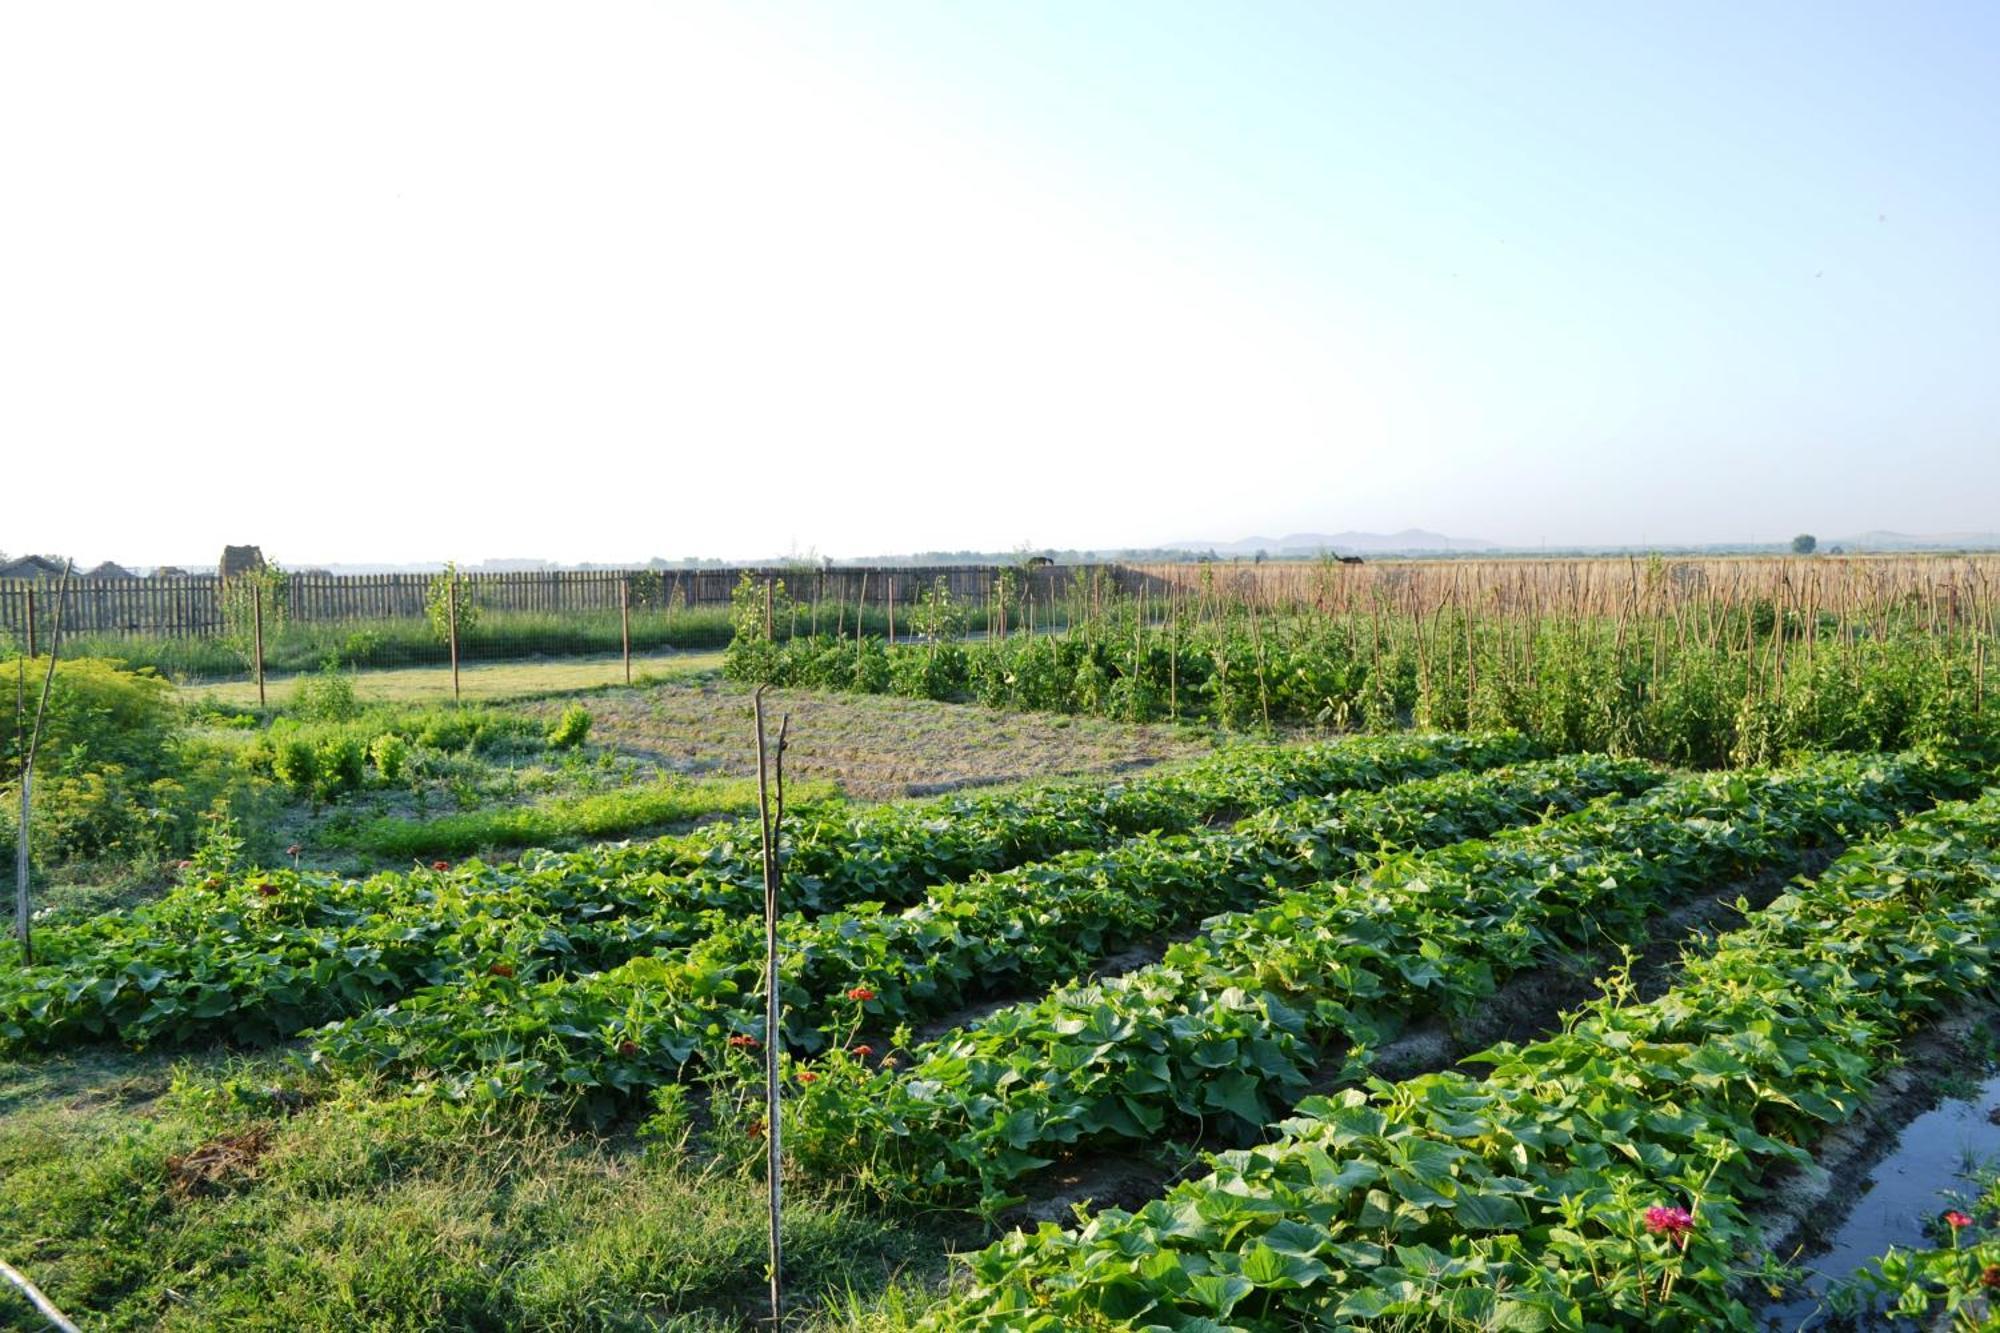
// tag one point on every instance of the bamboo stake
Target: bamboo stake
(22, 927)
(257, 632)
(772, 824)
(42, 1303)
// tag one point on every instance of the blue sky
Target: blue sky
(978, 275)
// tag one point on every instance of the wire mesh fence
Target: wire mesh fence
(267, 621)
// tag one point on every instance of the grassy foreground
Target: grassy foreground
(145, 1193)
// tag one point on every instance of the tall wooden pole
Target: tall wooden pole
(257, 632)
(625, 623)
(451, 615)
(34, 737)
(772, 821)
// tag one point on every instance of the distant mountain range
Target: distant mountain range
(1314, 543)
(1421, 541)
(1903, 541)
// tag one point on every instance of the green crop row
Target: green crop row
(1231, 1026)
(892, 854)
(260, 957)
(1600, 1178)
(635, 1026)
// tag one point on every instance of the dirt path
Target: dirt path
(877, 747)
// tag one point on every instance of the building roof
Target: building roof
(31, 567)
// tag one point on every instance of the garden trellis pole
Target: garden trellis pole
(21, 926)
(35, 1297)
(772, 820)
(451, 617)
(257, 632)
(625, 623)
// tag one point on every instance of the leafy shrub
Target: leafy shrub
(296, 764)
(571, 728)
(326, 697)
(101, 714)
(451, 599)
(343, 766)
(495, 732)
(446, 731)
(388, 752)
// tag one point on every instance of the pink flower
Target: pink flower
(1955, 1219)
(1673, 1223)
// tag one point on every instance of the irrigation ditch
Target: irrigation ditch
(1876, 1179)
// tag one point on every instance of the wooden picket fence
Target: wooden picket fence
(191, 605)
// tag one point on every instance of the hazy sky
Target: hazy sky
(421, 280)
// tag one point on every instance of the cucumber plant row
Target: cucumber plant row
(1231, 1026)
(1600, 1178)
(635, 1026)
(258, 957)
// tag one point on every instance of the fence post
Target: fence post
(451, 617)
(257, 632)
(892, 610)
(625, 623)
(31, 620)
(770, 630)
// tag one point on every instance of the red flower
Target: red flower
(861, 994)
(807, 1076)
(864, 1051)
(267, 890)
(440, 865)
(756, 1129)
(1955, 1219)
(628, 1048)
(742, 1042)
(501, 969)
(293, 850)
(1673, 1223)
(1990, 1276)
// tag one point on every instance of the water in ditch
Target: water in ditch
(1904, 1193)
